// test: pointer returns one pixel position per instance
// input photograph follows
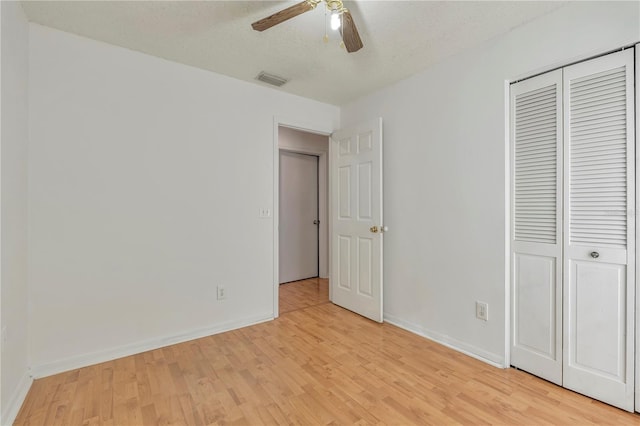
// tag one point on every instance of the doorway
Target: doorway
(303, 231)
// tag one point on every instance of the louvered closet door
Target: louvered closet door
(536, 132)
(599, 267)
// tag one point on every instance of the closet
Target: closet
(573, 227)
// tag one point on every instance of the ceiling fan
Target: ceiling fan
(347, 27)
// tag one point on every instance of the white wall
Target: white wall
(13, 202)
(311, 143)
(146, 179)
(444, 165)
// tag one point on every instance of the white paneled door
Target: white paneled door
(599, 228)
(356, 215)
(536, 315)
(298, 228)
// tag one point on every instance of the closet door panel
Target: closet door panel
(599, 229)
(536, 132)
(597, 327)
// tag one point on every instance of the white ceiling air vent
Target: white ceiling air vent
(271, 79)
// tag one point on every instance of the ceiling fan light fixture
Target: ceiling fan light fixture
(340, 19)
(335, 19)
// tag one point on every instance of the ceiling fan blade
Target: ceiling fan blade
(283, 15)
(350, 35)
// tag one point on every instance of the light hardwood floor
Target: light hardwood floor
(315, 365)
(303, 294)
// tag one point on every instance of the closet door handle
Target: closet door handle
(595, 254)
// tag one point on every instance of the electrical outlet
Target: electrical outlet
(482, 311)
(222, 292)
(264, 213)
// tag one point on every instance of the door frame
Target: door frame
(324, 129)
(637, 214)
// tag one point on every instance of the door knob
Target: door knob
(595, 254)
(380, 229)
(316, 222)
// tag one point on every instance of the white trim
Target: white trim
(304, 151)
(303, 125)
(321, 129)
(85, 360)
(465, 348)
(507, 225)
(10, 412)
(330, 216)
(2, 410)
(637, 213)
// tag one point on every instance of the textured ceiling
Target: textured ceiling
(400, 38)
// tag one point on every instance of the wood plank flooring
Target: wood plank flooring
(303, 294)
(311, 366)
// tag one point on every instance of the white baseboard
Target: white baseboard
(10, 412)
(465, 348)
(85, 360)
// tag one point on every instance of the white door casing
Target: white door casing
(356, 219)
(536, 231)
(298, 216)
(321, 127)
(637, 215)
(599, 229)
